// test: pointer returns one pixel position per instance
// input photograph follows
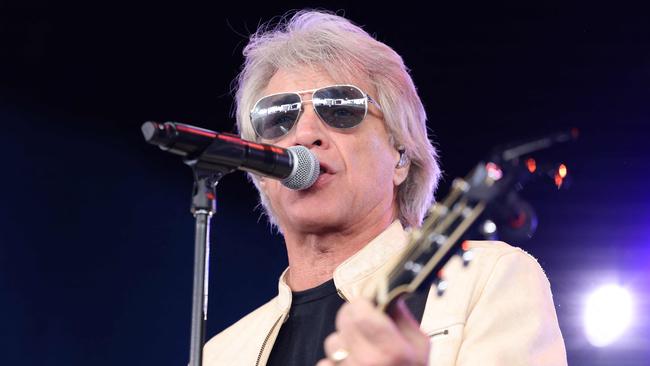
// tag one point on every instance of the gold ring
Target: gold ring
(339, 356)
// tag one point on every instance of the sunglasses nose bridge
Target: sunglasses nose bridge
(311, 110)
(308, 112)
(309, 127)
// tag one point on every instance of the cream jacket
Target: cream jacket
(498, 310)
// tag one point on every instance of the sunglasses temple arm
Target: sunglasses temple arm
(373, 102)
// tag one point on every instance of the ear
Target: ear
(402, 167)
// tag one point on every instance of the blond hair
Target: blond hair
(344, 51)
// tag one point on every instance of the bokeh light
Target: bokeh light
(608, 313)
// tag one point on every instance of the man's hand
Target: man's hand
(369, 337)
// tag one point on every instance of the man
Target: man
(319, 81)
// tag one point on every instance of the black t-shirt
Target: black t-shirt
(311, 319)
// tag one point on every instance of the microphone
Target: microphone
(296, 167)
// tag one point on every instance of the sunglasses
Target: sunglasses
(339, 106)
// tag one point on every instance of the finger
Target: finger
(405, 321)
(332, 344)
(325, 362)
(368, 333)
(409, 327)
(360, 319)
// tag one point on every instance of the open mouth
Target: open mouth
(324, 169)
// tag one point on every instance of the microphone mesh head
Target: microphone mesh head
(306, 169)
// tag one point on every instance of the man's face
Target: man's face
(358, 178)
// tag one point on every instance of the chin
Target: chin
(315, 221)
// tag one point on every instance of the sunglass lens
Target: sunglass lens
(275, 115)
(340, 106)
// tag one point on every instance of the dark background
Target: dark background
(96, 238)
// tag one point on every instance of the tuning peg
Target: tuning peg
(413, 267)
(466, 253)
(441, 286)
(467, 257)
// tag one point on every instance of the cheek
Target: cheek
(264, 186)
(272, 188)
(376, 155)
(373, 167)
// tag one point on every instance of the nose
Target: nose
(309, 130)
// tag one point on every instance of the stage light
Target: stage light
(489, 227)
(562, 171)
(558, 181)
(607, 314)
(531, 165)
(494, 171)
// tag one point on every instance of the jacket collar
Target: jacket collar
(352, 276)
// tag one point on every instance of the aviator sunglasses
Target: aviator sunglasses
(339, 106)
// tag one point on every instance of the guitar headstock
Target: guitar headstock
(480, 200)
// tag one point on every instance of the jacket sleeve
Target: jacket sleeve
(512, 320)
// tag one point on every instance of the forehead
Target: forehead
(306, 78)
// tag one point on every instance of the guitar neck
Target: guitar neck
(430, 247)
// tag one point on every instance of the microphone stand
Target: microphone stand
(206, 178)
(224, 153)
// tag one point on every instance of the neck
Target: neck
(313, 257)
